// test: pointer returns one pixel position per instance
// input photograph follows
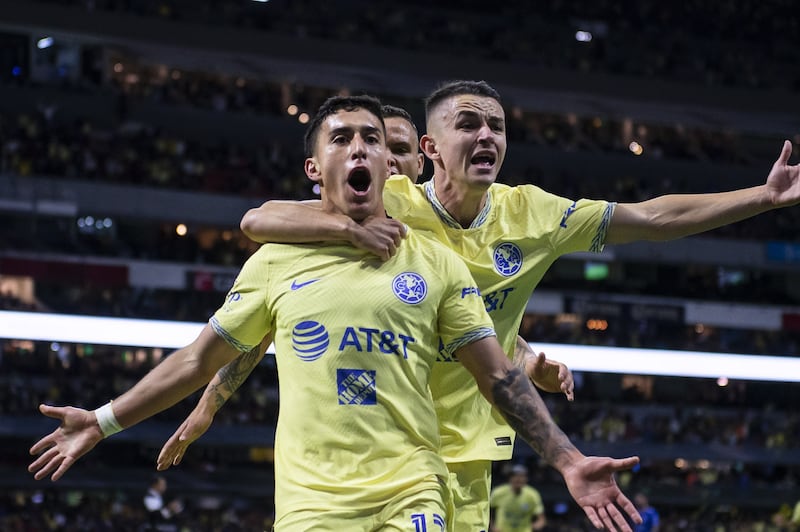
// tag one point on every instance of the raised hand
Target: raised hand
(192, 428)
(379, 235)
(591, 483)
(551, 376)
(76, 436)
(783, 182)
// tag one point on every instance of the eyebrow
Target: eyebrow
(467, 113)
(365, 130)
(398, 142)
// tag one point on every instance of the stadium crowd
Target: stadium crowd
(645, 39)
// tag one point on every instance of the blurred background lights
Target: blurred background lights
(636, 148)
(44, 42)
(181, 230)
(583, 36)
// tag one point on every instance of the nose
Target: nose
(485, 133)
(394, 166)
(358, 147)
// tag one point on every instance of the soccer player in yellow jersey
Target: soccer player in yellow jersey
(517, 507)
(357, 440)
(402, 141)
(508, 237)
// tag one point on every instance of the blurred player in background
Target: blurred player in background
(517, 507)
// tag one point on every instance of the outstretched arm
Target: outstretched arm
(175, 378)
(678, 215)
(305, 221)
(547, 374)
(590, 480)
(219, 390)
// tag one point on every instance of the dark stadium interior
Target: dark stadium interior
(142, 115)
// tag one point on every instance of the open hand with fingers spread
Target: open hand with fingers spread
(783, 182)
(78, 433)
(591, 483)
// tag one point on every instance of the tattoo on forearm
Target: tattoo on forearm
(520, 356)
(233, 375)
(524, 410)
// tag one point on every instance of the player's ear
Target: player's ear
(420, 163)
(312, 170)
(429, 148)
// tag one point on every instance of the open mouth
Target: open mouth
(484, 160)
(359, 180)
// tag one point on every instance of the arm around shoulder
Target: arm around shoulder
(293, 222)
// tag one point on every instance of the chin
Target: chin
(483, 179)
(361, 211)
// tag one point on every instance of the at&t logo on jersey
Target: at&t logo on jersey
(410, 287)
(507, 259)
(309, 340)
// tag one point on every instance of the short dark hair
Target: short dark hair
(457, 88)
(390, 111)
(333, 105)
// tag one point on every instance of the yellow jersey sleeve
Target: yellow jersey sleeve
(243, 320)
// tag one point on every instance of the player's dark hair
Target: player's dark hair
(390, 111)
(333, 105)
(457, 88)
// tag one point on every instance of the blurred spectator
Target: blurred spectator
(161, 514)
(650, 517)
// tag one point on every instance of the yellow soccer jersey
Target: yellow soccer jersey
(356, 339)
(514, 513)
(511, 244)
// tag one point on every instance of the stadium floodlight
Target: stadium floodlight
(673, 363)
(620, 360)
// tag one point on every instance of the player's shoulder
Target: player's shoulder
(501, 491)
(427, 241)
(531, 490)
(519, 194)
(425, 251)
(401, 188)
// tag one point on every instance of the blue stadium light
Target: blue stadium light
(16, 71)
(619, 360)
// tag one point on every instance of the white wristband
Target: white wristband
(107, 420)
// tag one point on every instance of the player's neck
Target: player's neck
(463, 203)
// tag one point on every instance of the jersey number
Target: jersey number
(421, 524)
